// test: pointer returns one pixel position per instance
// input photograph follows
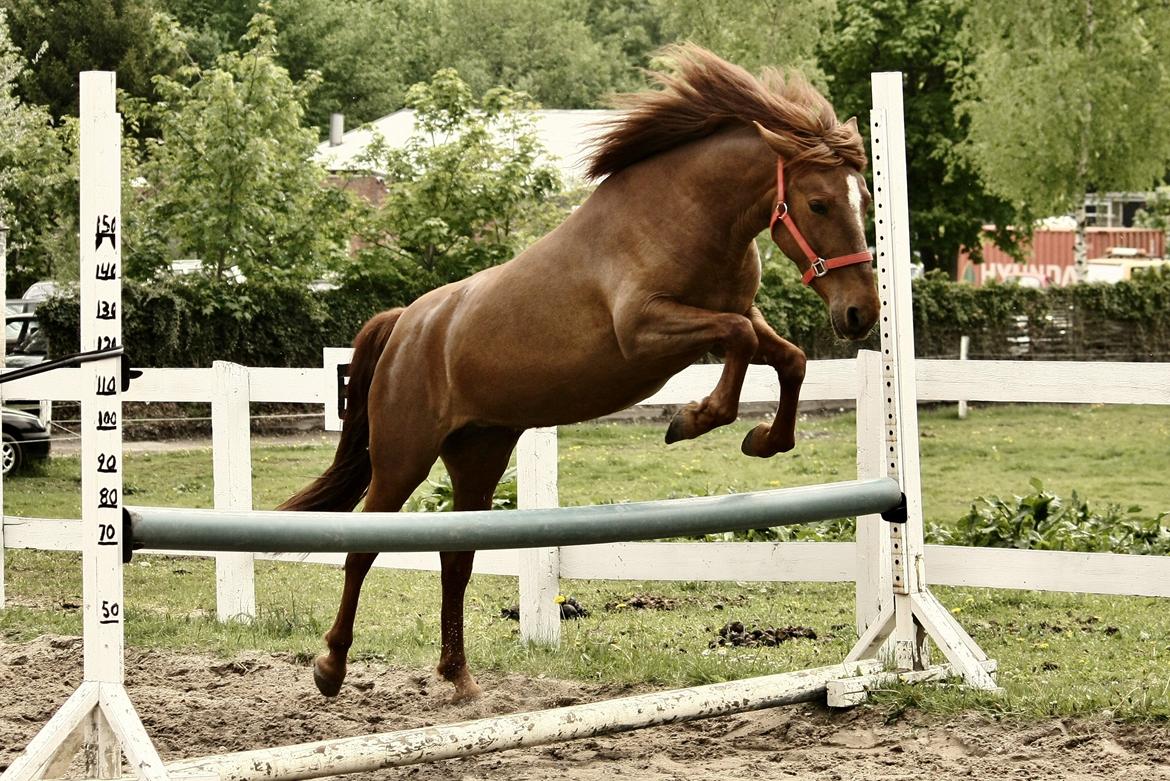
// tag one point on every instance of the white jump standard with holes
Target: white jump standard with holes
(100, 720)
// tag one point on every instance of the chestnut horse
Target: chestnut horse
(657, 268)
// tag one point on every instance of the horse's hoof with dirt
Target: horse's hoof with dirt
(327, 677)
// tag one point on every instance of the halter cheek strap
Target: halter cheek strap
(817, 266)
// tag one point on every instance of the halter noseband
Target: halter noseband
(818, 266)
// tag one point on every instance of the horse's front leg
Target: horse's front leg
(789, 362)
(664, 328)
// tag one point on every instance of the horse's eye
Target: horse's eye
(818, 207)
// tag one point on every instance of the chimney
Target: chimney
(336, 129)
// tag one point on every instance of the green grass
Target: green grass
(1059, 654)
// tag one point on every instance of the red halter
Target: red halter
(818, 266)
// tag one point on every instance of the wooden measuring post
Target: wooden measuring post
(98, 719)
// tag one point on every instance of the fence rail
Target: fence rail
(776, 562)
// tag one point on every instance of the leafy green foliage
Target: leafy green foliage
(38, 195)
(948, 199)
(438, 496)
(1156, 213)
(460, 189)
(542, 47)
(133, 37)
(194, 320)
(231, 180)
(1043, 521)
(362, 51)
(213, 27)
(752, 33)
(1066, 97)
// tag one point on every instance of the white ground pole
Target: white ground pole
(98, 717)
(913, 615)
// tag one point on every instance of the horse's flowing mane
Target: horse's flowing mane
(701, 94)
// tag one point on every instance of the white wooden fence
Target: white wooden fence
(230, 388)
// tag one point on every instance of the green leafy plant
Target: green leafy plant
(1042, 520)
(439, 496)
(459, 189)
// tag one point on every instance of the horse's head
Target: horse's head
(819, 221)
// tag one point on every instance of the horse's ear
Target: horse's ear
(851, 123)
(779, 144)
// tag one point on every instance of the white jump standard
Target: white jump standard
(100, 720)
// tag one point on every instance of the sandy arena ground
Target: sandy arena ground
(195, 705)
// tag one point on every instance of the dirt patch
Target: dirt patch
(736, 634)
(571, 610)
(643, 602)
(196, 705)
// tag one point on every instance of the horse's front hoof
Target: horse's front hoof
(760, 443)
(327, 678)
(752, 444)
(677, 430)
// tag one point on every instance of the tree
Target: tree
(542, 47)
(752, 33)
(232, 181)
(38, 194)
(1156, 214)
(133, 37)
(460, 190)
(630, 30)
(1069, 97)
(948, 200)
(363, 50)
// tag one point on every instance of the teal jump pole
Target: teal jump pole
(165, 528)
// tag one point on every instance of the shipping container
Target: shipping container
(1048, 259)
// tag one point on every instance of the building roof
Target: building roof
(566, 134)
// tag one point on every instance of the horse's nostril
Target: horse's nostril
(853, 319)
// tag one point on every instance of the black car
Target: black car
(24, 438)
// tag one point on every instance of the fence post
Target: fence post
(964, 347)
(231, 455)
(540, 568)
(874, 579)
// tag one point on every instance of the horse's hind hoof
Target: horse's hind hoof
(466, 692)
(675, 432)
(329, 685)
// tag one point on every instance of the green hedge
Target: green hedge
(190, 321)
(183, 322)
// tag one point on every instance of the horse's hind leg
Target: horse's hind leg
(390, 487)
(476, 459)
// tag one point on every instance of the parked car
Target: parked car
(26, 343)
(25, 439)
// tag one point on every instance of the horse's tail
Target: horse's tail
(344, 483)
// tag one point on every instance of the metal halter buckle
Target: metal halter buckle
(781, 214)
(818, 267)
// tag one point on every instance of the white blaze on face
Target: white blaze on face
(854, 191)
